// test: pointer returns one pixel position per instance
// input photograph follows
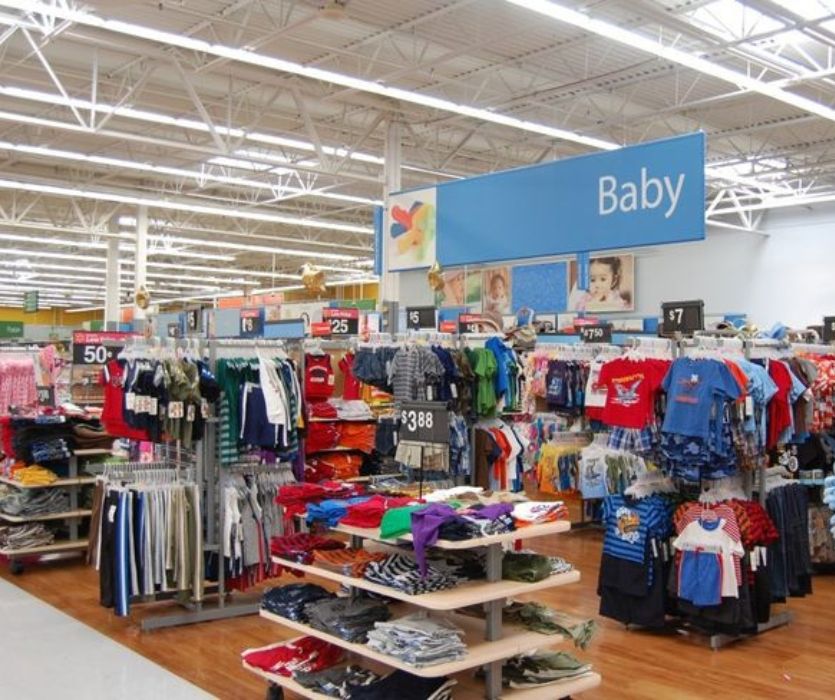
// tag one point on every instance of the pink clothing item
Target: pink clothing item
(18, 385)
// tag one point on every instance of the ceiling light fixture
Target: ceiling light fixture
(683, 58)
(255, 59)
(176, 205)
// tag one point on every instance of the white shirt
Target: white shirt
(695, 537)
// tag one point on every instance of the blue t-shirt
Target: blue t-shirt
(630, 522)
(693, 388)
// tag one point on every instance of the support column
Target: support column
(112, 279)
(389, 284)
(140, 263)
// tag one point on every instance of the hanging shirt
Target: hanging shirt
(710, 536)
(779, 408)
(318, 377)
(631, 386)
(629, 523)
(692, 387)
(595, 398)
(112, 378)
(351, 386)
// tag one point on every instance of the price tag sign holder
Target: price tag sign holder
(469, 323)
(828, 329)
(684, 317)
(596, 333)
(426, 422)
(342, 321)
(420, 317)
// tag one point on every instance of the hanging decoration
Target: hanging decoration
(313, 278)
(435, 276)
(142, 298)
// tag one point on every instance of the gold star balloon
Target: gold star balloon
(142, 298)
(436, 277)
(313, 278)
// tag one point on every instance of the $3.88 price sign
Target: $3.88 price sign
(424, 421)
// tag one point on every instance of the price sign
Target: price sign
(97, 348)
(418, 317)
(828, 329)
(596, 333)
(319, 329)
(252, 323)
(424, 421)
(469, 323)
(173, 330)
(342, 321)
(682, 316)
(447, 327)
(46, 396)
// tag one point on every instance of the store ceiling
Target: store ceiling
(226, 118)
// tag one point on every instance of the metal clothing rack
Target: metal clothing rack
(209, 478)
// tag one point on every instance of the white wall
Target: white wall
(787, 275)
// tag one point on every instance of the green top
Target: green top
(397, 521)
(485, 370)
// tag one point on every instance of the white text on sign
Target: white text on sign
(649, 193)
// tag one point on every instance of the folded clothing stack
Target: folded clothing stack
(90, 436)
(300, 547)
(25, 536)
(289, 601)
(338, 681)
(331, 510)
(405, 686)
(352, 410)
(306, 654)
(401, 572)
(348, 562)
(50, 450)
(322, 409)
(33, 502)
(418, 640)
(542, 668)
(350, 619)
(530, 567)
(36, 475)
(539, 512)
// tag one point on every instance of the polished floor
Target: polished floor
(791, 662)
(49, 655)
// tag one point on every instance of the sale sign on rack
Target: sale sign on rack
(97, 348)
(342, 321)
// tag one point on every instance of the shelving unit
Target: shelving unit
(488, 641)
(73, 516)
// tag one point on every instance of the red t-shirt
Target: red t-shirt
(779, 408)
(112, 378)
(631, 386)
(351, 385)
(318, 377)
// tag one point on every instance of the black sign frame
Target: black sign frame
(424, 421)
(828, 334)
(595, 333)
(683, 317)
(420, 317)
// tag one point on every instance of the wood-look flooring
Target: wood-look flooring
(790, 662)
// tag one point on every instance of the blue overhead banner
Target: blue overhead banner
(640, 195)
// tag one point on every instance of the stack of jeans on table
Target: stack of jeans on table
(542, 668)
(338, 681)
(25, 536)
(346, 618)
(405, 686)
(30, 502)
(417, 640)
(401, 572)
(289, 601)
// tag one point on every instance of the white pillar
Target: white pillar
(112, 279)
(389, 287)
(140, 262)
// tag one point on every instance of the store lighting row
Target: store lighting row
(177, 205)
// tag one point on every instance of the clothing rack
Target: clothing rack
(813, 349)
(209, 473)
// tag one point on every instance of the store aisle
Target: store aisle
(51, 655)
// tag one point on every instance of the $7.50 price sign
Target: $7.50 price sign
(424, 421)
